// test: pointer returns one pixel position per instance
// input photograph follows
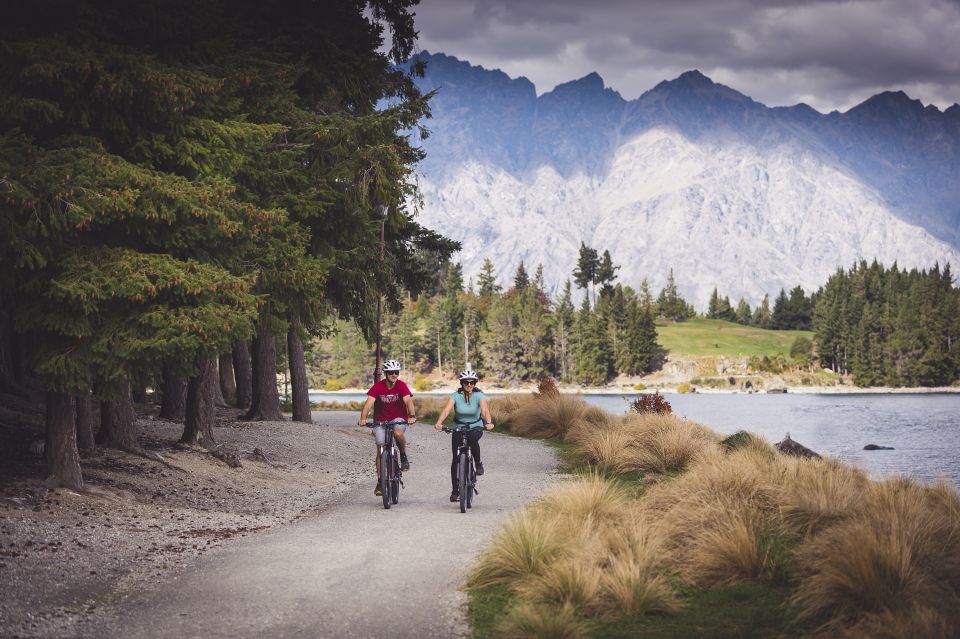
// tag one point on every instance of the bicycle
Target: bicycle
(466, 471)
(391, 475)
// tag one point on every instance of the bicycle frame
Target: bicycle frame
(466, 471)
(391, 475)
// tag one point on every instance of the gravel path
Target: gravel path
(333, 574)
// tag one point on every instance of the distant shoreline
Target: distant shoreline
(625, 390)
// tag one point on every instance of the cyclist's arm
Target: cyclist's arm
(443, 414)
(367, 405)
(411, 411)
(485, 413)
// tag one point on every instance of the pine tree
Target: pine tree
(487, 281)
(743, 314)
(606, 274)
(585, 274)
(564, 345)
(520, 279)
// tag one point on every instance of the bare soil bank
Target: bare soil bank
(63, 554)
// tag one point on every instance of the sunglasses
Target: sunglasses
(392, 372)
(468, 381)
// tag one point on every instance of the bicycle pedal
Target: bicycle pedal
(476, 492)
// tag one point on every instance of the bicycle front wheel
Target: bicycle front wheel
(395, 479)
(471, 482)
(463, 471)
(385, 475)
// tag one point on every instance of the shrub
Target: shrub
(684, 388)
(655, 403)
(333, 385)
(547, 388)
(421, 383)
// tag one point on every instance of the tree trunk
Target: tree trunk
(85, 440)
(63, 460)
(265, 403)
(298, 374)
(173, 401)
(228, 384)
(198, 426)
(243, 371)
(118, 422)
(218, 399)
(139, 392)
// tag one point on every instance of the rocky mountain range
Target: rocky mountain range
(692, 175)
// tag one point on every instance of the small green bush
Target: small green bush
(639, 387)
(684, 388)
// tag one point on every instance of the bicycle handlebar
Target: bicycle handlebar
(456, 430)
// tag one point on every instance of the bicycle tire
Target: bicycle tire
(470, 484)
(464, 484)
(395, 480)
(385, 483)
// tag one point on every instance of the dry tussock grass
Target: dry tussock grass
(428, 408)
(554, 416)
(608, 561)
(540, 621)
(503, 408)
(523, 547)
(817, 493)
(649, 442)
(891, 559)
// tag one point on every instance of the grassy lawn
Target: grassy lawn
(726, 339)
(740, 610)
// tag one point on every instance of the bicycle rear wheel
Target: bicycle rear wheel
(385, 474)
(462, 473)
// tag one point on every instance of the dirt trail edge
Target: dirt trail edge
(352, 570)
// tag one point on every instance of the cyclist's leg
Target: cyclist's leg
(379, 437)
(473, 438)
(399, 435)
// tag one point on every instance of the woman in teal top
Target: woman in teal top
(471, 415)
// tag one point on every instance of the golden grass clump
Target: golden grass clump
(894, 562)
(428, 408)
(553, 416)
(504, 407)
(649, 442)
(817, 493)
(586, 498)
(539, 621)
(523, 547)
(573, 581)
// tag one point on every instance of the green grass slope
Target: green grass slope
(726, 339)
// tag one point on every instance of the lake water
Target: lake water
(923, 428)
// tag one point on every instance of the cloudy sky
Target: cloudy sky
(831, 54)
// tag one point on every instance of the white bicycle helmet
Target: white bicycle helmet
(391, 365)
(468, 374)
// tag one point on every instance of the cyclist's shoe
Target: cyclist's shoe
(479, 469)
(454, 496)
(404, 463)
(378, 490)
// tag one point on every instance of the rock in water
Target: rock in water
(790, 447)
(875, 447)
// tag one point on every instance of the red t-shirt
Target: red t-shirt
(389, 404)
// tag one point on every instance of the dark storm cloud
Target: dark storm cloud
(829, 53)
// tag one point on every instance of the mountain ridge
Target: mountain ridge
(568, 152)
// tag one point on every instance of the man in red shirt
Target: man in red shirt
(392, 402)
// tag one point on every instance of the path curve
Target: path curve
(332, 574)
